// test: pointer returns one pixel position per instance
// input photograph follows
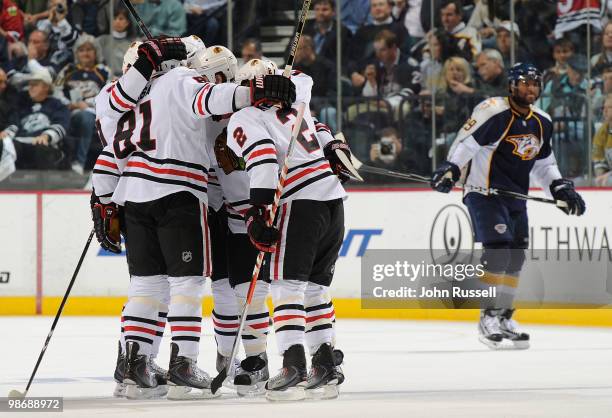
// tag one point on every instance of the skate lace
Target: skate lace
(510, 325)
(491, 324)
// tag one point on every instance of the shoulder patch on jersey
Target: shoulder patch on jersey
(541, 113)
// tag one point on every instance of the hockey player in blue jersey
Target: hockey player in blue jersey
(505, 140)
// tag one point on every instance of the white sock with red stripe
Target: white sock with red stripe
(289, 315)
(255, 334)
(141, 312)
(224, 316)
(320, 317)
(162, 317)
(185, 314)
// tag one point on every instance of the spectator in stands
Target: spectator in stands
(468, 40)
(91, 16)
(492, 81)
(361, 48)
(573, 18)
(323, 73)
(81, 83)
(62, 35)
(503, 42)
(323, 31)
(418, 124)
(602, 148)
(604, 58)
(165, 17)
(33, 11)
(439, 47)
(115, 44)
(38, 55)
(201, 19)
(40, 123)
(355, 14)
(485, 23)
(604, 85)
(388, 153)
(563, 49)
(408, 12)
(11, 26)
(251, 49)
(565, 99)
(536, 20)
(8, 97)
(456, 95)
(391, 73)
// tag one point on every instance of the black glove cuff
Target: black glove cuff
(144, 67)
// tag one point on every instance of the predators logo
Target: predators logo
(525, 146)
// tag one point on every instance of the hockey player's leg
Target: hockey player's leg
(120, 387)
(140, 327)
(253, 374)
(289, 323)
(225, 322)
(185, 318)
(324, 375)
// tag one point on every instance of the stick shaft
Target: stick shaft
(137, 18)
(296, 37)
(59, 311)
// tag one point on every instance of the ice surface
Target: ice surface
(393, 369)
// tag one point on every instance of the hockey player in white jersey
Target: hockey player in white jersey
(304, 240)
(159, 172)
(505, 140)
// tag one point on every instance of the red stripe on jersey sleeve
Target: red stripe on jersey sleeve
(106, 163)
(118, 100)
(307, 171)
(266, 151)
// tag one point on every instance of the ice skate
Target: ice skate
(488, 329)
(510, 331)
(325, 375)
(140, 380)
(252, 376)
(120, 387)
(184, 376)
(289, 384)
(220, 365)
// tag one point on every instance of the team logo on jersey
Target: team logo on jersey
(526, 146)
(501, 228)
(187, 256)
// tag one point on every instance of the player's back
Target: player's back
(159, 145)
(261, 136)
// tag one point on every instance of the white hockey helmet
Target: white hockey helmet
(130, 56)
(254, 68)
(218, 59)
(194, 46)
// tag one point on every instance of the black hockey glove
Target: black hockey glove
(335, 163)
(106, 224)
(272, 89)
(262, 236)
(445, 176)
(160, 49)
(563, 189)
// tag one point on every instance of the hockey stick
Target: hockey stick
(220, 378)
(17, 394)
(137, 18)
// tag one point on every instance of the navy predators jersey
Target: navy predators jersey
(499, 148)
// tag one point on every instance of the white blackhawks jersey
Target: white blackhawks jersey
(261, 136)
(158, 145)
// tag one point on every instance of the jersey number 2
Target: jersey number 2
(125, 130)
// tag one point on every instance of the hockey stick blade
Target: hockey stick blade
(217, 382)
(348, 166)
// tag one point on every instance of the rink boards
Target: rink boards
(43, 234)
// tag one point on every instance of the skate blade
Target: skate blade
(181, 393)
(135, 392)
(120, 390)
(519, 345)
(324, 392)
(493, 345)
(295, 393)
(252, 391)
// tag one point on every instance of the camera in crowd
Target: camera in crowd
(60, 8)
(386, 149)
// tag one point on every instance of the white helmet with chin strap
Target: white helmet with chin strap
(254, 68)
(218, 60)
(130, 56)
(194, 46)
